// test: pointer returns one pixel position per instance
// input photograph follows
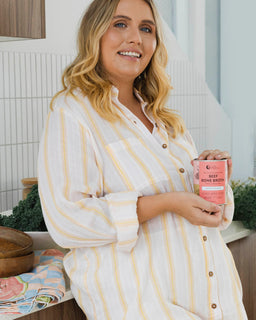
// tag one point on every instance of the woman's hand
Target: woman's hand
(195, 209)
(218, 155)
(186, 204)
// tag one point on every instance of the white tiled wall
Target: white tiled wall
(189, 96)
(27, 83)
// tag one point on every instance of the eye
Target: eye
(146, 29)
(120, 25)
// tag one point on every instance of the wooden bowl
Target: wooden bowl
(16, 265)
(14, 243)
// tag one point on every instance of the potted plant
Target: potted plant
(245, 202)
(27, 216)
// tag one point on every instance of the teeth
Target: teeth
(130, 53)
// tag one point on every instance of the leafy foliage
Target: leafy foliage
(27, 215)
(245, 202)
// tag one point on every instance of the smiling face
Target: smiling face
(130, 41)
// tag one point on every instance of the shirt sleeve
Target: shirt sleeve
(228, 210)
(76, 210)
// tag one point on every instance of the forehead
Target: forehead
(138, 9)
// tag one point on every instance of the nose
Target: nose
(134, 35)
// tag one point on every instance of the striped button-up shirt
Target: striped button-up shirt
(91, 173)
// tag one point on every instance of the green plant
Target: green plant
(27, 215)
(245, 202)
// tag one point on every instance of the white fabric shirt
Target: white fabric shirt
(91, 173)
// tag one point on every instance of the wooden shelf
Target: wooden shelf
(22, 18)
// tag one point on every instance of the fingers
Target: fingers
(196, 210)
(217, 155)
(214, 155)
(211, 220)
(211, 208)
(207, 218)
(230, 168)
(208, 214)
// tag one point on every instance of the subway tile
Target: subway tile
(8, 168)
(2, 78)
(23, 76)
(17, 78)
(11, 79)
(15, 198)
(7, 121)
(9, 198)
(28, 72)
(6, 88)
(13, 121)
(34, 75)
(14, 167)
(38, 72)
(25, 161)
(31, 164)
(2, 168)
(2, 122)
(20, 164)
(3, 201)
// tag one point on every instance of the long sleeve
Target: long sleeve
(75, 208)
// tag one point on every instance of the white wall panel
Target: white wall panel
(27, 83)
(192, 108)
(185, 79)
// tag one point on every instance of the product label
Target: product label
(210, 180)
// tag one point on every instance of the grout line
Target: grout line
(25, 98)
(19, 143)
(16, 189)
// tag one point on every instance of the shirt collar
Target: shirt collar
(115, 93)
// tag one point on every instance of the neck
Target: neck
(126, 94)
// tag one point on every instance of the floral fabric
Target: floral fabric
(43, 285)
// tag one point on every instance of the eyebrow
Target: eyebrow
(128, 18)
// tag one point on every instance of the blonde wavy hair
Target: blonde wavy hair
(87, 73)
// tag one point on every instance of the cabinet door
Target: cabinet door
(22, 18)
(244, 253)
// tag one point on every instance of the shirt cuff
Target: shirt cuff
(228, 210)
(123, 210)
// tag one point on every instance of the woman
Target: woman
(115, 181)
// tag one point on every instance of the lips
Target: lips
(132, 54)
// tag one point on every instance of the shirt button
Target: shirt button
(164, 145)
(214, 306)
(181, 170)
(156, 125)
(134, 122)
(210, 273)
(204, 238)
